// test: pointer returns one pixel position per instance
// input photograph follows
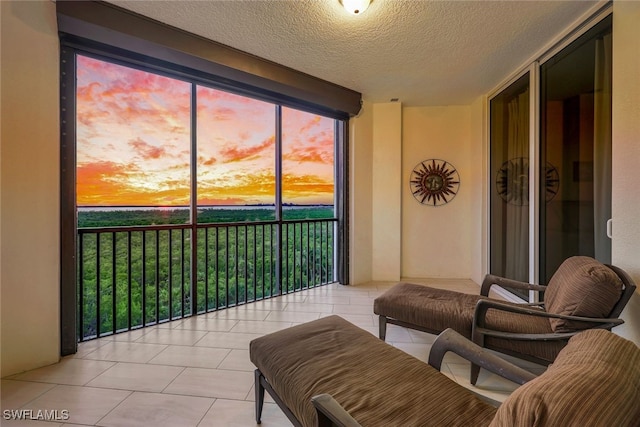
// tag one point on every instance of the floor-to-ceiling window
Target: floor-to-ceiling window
(183, 129)
(191, 198)
(551, 190)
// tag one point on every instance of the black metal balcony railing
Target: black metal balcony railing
(131, 277)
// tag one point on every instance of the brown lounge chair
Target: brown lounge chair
(582, 294)
(331, 373)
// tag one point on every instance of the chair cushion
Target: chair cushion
(544, 351)
(430, 308)
(583, 287)
(595, 381)
(378, 384)
(436, 309)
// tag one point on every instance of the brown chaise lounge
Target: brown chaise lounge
(331, 373)
(582, 294)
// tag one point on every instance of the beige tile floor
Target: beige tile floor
(196, 371)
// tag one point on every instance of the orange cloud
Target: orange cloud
(170, 197)
(96, 182)
(126, 114)
(146, 150)
(307, 189)
(235, 153)
(210, 96)
(307, 138)
(253, 188)
(296, 182)
(108, 183)
(122, 95)
(127, 81)
(216, 113)
(204, 161)
(89, 92)
(315, 121)
(309, 154)
(89, 116)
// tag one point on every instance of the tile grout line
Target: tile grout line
(131, 392)
(39, 395)
(206, 412)
(366, 292)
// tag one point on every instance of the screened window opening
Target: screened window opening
(190, 198)
(308, 172)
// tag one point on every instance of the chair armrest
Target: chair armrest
(492, 279)
(450, 340)
(484, 305)
(330, 413)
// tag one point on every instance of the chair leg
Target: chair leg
(383, 327)
(475, 371)
(259, 396)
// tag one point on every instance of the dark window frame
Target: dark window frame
(100, 25)
(72, 44)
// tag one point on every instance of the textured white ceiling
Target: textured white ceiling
(424, 52)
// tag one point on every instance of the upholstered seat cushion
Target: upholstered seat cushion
(378, 384)
(430, 308)
(581, 286)
(522, 324)
(596, 360)
(435, 310)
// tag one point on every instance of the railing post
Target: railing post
(280, 258)
(316, 266)
(193, 261)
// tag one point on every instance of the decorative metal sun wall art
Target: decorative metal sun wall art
(434, 182)
(512, 181)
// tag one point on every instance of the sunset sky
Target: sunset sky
(133, 144)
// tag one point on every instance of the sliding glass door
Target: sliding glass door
(509, 196)
(571, 177)
(575, 147)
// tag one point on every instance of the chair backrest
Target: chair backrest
(593, 381)
(582, 286)
(627, 293)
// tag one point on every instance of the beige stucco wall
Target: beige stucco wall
(436, 240)
(387, 141)
(478, 170)
(360, 194)
(626, 153)
(448, 241)
(386, 199)
(29, 192)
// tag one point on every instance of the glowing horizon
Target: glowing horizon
(134, 144)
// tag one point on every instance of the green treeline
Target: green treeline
(136, 277)
(132, 217)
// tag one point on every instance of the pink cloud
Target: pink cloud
(207, 161)
(235, 153)
(309, 154)
(146, 150)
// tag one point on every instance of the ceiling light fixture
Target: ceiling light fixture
(356, 7)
